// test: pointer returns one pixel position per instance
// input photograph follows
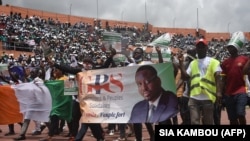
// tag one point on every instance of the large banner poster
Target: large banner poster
(108, 95)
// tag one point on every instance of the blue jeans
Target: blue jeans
(236, 106)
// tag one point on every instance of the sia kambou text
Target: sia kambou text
(203, 132)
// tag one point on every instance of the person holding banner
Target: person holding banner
(139, 59)
(95, 127)
(65, 104)
(120, 61)
(60, 75)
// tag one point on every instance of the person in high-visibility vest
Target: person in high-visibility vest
(204, 75)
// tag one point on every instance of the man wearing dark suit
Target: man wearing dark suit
(149, 86)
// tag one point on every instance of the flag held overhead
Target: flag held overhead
(162, 41)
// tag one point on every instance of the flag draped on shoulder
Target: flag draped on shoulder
(61, 104)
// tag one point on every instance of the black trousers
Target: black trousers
(95, 128)
(138, 131)
(217, 114)
(11, 127)
(184, 110)
(73, 125)
(54, 124)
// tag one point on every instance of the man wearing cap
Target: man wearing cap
(203, 74)
(233, 74)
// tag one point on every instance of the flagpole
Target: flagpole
(97, 9)
(197, 28)
(146, 18)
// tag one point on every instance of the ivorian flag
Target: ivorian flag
(24, 101)
(61, 104)
(9, 106)
(34, 101)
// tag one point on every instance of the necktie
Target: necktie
(150, 112)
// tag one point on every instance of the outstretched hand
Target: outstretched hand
(158, 49)
(112, 51)
(49, 60)
(180, 57)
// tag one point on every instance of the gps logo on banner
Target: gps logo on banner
(99, 83)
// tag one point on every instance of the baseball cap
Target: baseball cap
(201, 41)
(237, 40)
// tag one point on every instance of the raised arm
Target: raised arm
(184, 75)
(65, 68)
(158, 50)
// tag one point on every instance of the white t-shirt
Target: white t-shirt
(141, 63)
(202, 64)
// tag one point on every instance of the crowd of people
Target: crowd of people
(79, 47)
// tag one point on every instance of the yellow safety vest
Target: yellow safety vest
(205, 85)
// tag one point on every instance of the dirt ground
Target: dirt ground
(88, 137)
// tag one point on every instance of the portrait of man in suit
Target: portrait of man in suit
(158, 105)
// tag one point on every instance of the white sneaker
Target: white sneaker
(141, 139)
(112, 132)
(121, 139)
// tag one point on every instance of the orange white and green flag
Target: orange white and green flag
(24, 101)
